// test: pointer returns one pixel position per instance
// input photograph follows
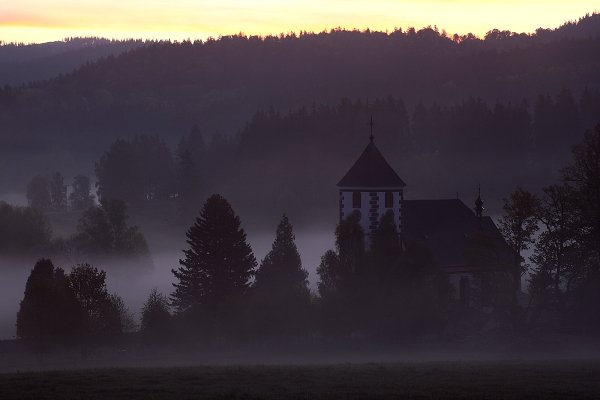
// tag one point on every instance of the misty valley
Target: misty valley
(275, 216)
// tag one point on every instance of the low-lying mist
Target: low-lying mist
(134, 282)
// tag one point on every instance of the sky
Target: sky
(36, 21)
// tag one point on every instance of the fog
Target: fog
(134, 284)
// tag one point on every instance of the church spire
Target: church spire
(479, 203)
(371, 137)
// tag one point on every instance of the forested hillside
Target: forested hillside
(513, 103)
(26, 63)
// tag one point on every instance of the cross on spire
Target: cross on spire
(371, 124)
(478, 202)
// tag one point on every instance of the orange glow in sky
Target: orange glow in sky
(48, 20)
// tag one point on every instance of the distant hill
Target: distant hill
(21, 63)
(164, 88)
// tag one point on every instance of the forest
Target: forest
(383, 294)
(165, 88)
(290, 162)
(195, 144)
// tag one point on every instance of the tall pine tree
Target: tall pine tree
(281, 291)
(215, 273)
(49, 313)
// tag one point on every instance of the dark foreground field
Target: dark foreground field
(427, 380)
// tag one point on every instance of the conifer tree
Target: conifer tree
(281, 293)
(281, 270)
(156, 318)
(58, 192)
(81, 197)
(218, 265)
(386, 249)
(38, 193)
(49, 313)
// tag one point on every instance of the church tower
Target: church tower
(372, 188)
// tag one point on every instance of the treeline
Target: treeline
(291, 162)
(223, 298)
(69, 310)
(562, 227)
(102, 232)
(167, 87)
(380, 294)
(27, 63)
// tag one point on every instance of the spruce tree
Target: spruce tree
(281, 293)
(156, 319)
(58, 192)
(216, 270)
(386, 250)
(281, 271)
(81, 197)
(49, 313)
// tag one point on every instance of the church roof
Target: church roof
(371, 170)
(449, 229)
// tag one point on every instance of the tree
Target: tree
(329, 275)
(156, 318)
(115, 172)
(350, 245)
(38, 193)
(81, 197)
(191, 153)
(49, 313)
(584, 176)
(518, 226)
(340, 271)
(215, 274)
(103, 231)
(105, 316)
(281, 286)
(137, 171)
(23, 230)
(58, 192)
(386, 249)
(556, 252)
(341, 278)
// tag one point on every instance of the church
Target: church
(447, 228)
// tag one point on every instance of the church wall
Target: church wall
(372, 208)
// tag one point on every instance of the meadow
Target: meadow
(551, 379)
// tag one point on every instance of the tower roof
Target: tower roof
(371, 170)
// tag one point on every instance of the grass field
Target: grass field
(427, 380)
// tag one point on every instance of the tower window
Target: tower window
(389, 199)
(356, 200)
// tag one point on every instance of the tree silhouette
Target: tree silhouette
(281, 286)
(23, 230)
(49, 313)
(156, 319)
(518, 226)
(105, 316)
(81, 197)
(215, 273)
(386, 250)
(103, 231)
(38, 193)
(58, 192)
(191, 152)
(137, 171)
(584, 175)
